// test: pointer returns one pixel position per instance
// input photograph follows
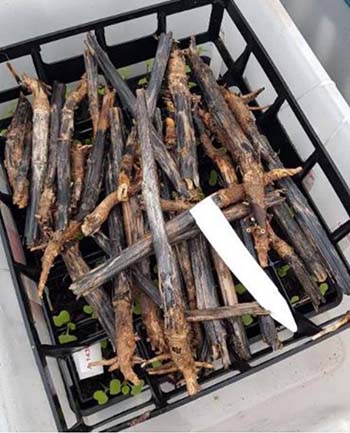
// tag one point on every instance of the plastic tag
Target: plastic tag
(83, 357)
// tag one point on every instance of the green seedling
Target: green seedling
(104, 344)
(213, 178)
(101, 397)
(115, 387)
(142, 81)
(89, 310)
(323, 288)
(136, 309)
(188, 69)
(67, 338)
(137, 389)
(101, 91)
(61, 319)
(283, 270)
(191, 84)
(3, 132)
(247, 319)
(240, 289)
(149, 65)
(125, 389)
(156, 364)
(294, 299)
(72, 326)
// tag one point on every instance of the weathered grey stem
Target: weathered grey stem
(158, 71)
(267, 325)
(63, 154)
(98, 300)
(15, 137)
(287, 253)
(176, 328)
(220, 313)
(186, 140)
(94, 169)
(47, 198)
(207, 298)
(21, 191)
(92, 78)
(78, 161)
(41, 118)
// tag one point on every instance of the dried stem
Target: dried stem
(63, 154)
(78, 160)
(92, 78)
(93, 177)
(175, 325)
(99, 300)
(186, 140)
(126, 166)
(207, 298)
(158, 71)
(41, 116)
(227, 312)
(48, 195)
(287, 253)
(15, 139)
(21, 191)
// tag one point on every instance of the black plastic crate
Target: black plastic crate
(159, 399)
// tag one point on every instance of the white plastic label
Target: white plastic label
(215, 227)
(83, 357)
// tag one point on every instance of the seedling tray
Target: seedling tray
(158, 395)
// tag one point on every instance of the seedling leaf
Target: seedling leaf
(88, 310)
(142, 81)
(62, 318)
(71, 326)
(240, 289)
(101, 397)
(191, 84)
(323, 288)
(104, 344)
(114, 387)
(125, 389)
(137, 308)
(213, 178)
(282, 271)
(247, 319)
(294, 299)
(156, 364)
(188, 69)
(137, 389)
(66, 338)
